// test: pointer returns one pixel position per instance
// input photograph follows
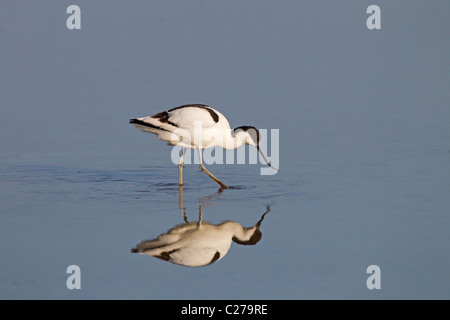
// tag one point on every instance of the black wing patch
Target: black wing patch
(216, 257)
(164, 118)
(213, 114)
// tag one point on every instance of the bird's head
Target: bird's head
(249, 236)
(251, 136)
(252, 235)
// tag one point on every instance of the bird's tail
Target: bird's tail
(145, 125)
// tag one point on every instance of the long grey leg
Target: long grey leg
(180, 168)
(202, 167)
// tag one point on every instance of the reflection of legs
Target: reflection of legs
(202, 167)
(181, 204)
(205, 200)
(180, 168)
(183, 210)
(200, 215)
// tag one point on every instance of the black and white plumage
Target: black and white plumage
(197, 126)
(197, 244)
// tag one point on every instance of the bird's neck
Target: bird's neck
(236, 230)
(246, 236)
(233, 140)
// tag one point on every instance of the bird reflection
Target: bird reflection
(200, 243)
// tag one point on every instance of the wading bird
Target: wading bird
(198, 126)
(198, 244)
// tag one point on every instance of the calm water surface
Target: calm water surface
(364, 149)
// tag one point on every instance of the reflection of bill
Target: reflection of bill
(197, 244)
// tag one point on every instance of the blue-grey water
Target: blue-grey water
(363, 117)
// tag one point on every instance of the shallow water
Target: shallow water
(364, 150)
(317, 240)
